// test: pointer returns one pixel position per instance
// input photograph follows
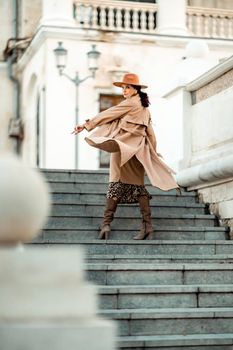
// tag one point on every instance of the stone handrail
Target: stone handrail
(211, 171)
(116, 15)
(210, 22)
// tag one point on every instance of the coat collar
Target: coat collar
(135, 98)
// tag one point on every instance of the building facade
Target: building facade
(167, 43)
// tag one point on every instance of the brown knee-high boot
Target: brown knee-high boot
(146, 231)
(111, 205)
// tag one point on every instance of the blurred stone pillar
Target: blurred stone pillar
(171, 17)
(45, 303)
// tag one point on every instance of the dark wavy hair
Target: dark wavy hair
(143, 96)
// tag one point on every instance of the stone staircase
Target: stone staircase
(175, 292)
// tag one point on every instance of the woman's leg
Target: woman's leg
(110, 208)
(147, 229)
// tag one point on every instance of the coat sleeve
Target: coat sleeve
(151, 136)
(109, 115)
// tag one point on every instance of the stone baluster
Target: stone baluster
(198, 30)
(194, 26)
(229, 24)
(135, 20)
(230, 27)
(151, 21)
(189, 22)
(78, 10)
(214, 26)
(94, 16)
(193, 21)
(119, 19)
(143, 21)
(87, 16)
(103, 17)
(111, 17)
(80, 14)
(221, 26)
(206, 25)
(127, 19)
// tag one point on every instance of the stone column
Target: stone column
(46, 303)
(57, 13)
(171, 18)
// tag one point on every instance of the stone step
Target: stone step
(91, 198)
(123, 222)
(169, 296)
(83, 177)
(64, 175)
(195, 258)
(177, 342)
(159, 291)
(97, 209)
(160, 233)
(88, 187)
(171, 321)
(153, 247)
(159, 274)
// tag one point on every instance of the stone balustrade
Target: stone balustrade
(210, 22)
(136, 17)
(116, 15)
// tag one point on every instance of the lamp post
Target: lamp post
(61, 59)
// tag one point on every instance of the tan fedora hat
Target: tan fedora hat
(130, 79)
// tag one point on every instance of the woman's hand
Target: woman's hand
(78, 129)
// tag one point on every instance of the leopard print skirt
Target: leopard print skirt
(126, 193)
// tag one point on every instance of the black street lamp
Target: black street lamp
(61, 59)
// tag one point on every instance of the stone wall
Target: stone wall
(6, 19)
(220, 197)
(6, 144)
(212, 132)
(209, 166)
(214, 87)
(213, 108)
(30, 14)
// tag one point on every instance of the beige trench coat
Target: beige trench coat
(125, 130)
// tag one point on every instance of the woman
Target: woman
(126, 132)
